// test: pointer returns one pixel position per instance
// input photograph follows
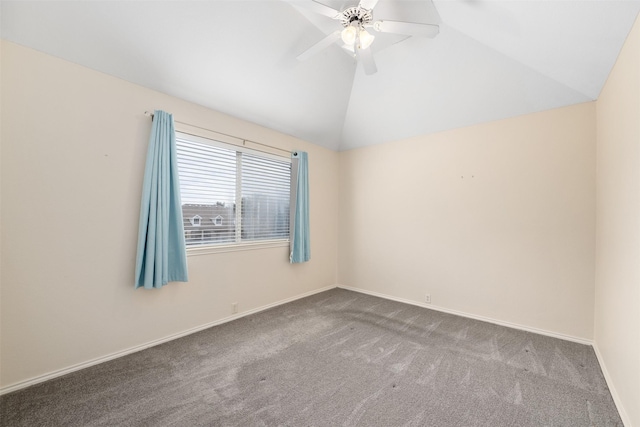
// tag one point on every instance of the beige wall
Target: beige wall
(495, 220)
(617, 309)
(73, 151)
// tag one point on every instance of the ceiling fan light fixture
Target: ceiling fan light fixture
(349, 35)
(357, 40)
(365, 39)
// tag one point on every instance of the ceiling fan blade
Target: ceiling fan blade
(368, 4)
(321, 45)
(320, 9)
(407, 28)
(366, 57)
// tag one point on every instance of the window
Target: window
(245, 193)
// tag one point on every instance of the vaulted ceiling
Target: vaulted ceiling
(491, 59)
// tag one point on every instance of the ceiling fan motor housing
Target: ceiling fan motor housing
(356, 14)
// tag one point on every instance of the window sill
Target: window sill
(235, 247)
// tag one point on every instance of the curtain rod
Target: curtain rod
(244, 141)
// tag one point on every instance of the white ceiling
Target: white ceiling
(491, 60)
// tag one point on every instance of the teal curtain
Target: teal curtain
(300, 245)
(162, 256)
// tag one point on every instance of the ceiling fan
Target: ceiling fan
(356, 39)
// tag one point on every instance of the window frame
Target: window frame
(196, 219)
(237, 245)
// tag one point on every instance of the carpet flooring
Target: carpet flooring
(337, 358)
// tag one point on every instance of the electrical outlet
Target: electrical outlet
(427, 298)
(234, 307)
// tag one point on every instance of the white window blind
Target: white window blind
(240, 195)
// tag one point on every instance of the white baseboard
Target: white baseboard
(472, 316)
(60, 372)
(616, 398)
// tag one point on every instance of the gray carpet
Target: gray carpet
(338, 358)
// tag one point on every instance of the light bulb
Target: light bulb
(365, 39)
(349, 35)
